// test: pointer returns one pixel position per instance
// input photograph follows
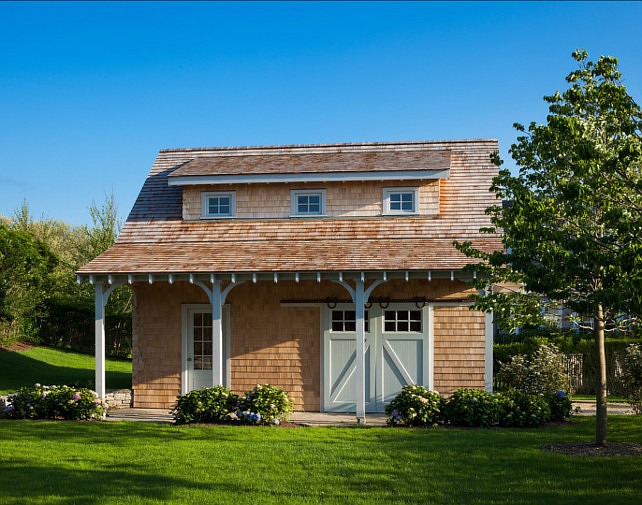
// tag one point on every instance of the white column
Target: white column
(217, 335)
(488, 354)
(100, 340)
(360, 352)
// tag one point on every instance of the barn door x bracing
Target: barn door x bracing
(396, 353)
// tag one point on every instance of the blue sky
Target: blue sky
(89, 92)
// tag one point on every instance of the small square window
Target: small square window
(346, 320)
(402, 321)
(307, 203)
(400, 200)
(218, 204)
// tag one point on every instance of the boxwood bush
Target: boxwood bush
(415, 406)
(205, 405)
(265, 404)
(55, 402)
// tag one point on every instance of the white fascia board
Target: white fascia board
(387, 175)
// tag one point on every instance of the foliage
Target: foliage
(560, 405)
(520, 408)
(25, 265)
(64, 314)
(543, 373)
(572, 226)
(632, 376)
(472, 407)
(415, 406)
(55, 402)
(205, 405)
(265, 404)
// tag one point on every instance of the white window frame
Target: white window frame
(205, 196)
(386, 201)
(295, 193)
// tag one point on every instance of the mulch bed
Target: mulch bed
(611, 449)
(18, 347)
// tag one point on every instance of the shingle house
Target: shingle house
(326, 270)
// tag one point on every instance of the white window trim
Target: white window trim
(204, 206)
(386, 201)
(294, 193)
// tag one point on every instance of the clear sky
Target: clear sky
(89, 92)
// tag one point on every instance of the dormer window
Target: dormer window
(307, 202)
(218, 204)
(398, 201)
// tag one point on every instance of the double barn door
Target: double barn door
(396, 353)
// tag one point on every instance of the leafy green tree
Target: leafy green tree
(25, 266)
(572, 226)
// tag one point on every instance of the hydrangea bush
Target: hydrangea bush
(472, 407)
(632, 376)
(517, 408)
(560, 405)
(205, 405)
(55, 402)
(265, 404)
(415, 406)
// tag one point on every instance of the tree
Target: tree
(572, 227)
(25, 265)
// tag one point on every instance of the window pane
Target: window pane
(198, 348)
(198, 363)
(337, 315)
(402, 325)
(198, 319)
(198, 334)
(415, 326)
(350, 326)
(314, 199)
(207, 320)
(337, 325)
(207, 363)
(395, 205)
(207, 334)
(407, 206)
(415, 315)
(389, 326)
(395, 197)
(350, 315)
(207, 348)
(406, 197)
(314, 208)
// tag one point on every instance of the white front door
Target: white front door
(397, 353)
(197, 347)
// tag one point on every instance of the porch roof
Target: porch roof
(284, 256)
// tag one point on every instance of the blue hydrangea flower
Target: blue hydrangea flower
(561, 394)
(473, 399)
(10, 408)
(277, 422)
(394, 413)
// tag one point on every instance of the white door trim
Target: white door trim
(205, 307)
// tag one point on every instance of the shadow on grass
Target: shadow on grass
(17, 370)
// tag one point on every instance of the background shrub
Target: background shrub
(518, 408)
(632, 376)
(265, 404)
(543, 373)
(205, 405)
(415, 406)
(472, 407)
(560, 405)
(55, 402)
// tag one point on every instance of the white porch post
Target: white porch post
(100, 340)
(360, 352)
(217, 335)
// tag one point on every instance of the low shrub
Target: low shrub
(632, 376)
(518, 408)
(560, 405)
(205, 405)
(415, 406)
(265, 404)
(55, 402)
(472, 407)
(543, 373)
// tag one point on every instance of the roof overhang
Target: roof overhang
(381, 175)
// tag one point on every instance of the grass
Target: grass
(109, 463)
(609, 398)
(48, 365)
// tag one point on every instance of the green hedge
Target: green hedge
(576, 344)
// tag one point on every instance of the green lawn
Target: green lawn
(110, 463)
(48, 365)
(610, 398)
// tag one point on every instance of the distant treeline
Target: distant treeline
(40, 300)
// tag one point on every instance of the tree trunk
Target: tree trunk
(600, 376)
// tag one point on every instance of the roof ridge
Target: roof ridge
(327, 145)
